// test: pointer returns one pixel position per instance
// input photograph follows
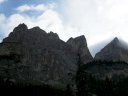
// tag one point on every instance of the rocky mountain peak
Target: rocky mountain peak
(21, 33)
(17, 34)
(36, 28)
(81, 39)
(79, 45)
(38, 55)
(20, 27)
(78, 40)
(114, 51)
(115, 41)
(53, 35)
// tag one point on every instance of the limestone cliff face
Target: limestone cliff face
(33, 54)
(116, 50)
(79, 46)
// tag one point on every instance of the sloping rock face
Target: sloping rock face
(79, 46)
(33, 54)
(116, 50)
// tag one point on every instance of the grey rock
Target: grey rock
(116, 50)
(33, 54)
(53, 35)
(79, 46)
(111, 70)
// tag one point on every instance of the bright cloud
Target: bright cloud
(40, 7)
(49, 20)
(98, 19)
(1, 1)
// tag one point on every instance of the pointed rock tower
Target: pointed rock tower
(79, 46)
(116, 50)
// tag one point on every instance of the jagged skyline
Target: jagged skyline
(98, 20)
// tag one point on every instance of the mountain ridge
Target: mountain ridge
(36, 55)
(114, 51)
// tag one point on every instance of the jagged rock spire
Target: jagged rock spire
(79, 45)
(21, 27)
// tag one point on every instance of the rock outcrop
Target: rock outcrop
(79, 46)
(116, 50)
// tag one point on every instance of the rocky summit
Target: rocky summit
(33, 54)
(79, 45)
(116, 50)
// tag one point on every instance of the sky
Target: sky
(98, 20)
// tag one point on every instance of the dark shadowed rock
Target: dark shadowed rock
(116, 50)
(20, 28)
(33, 54)
(79, 46)
(53, 35)
(106, 69)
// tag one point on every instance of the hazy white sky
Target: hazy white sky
(98, 20)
